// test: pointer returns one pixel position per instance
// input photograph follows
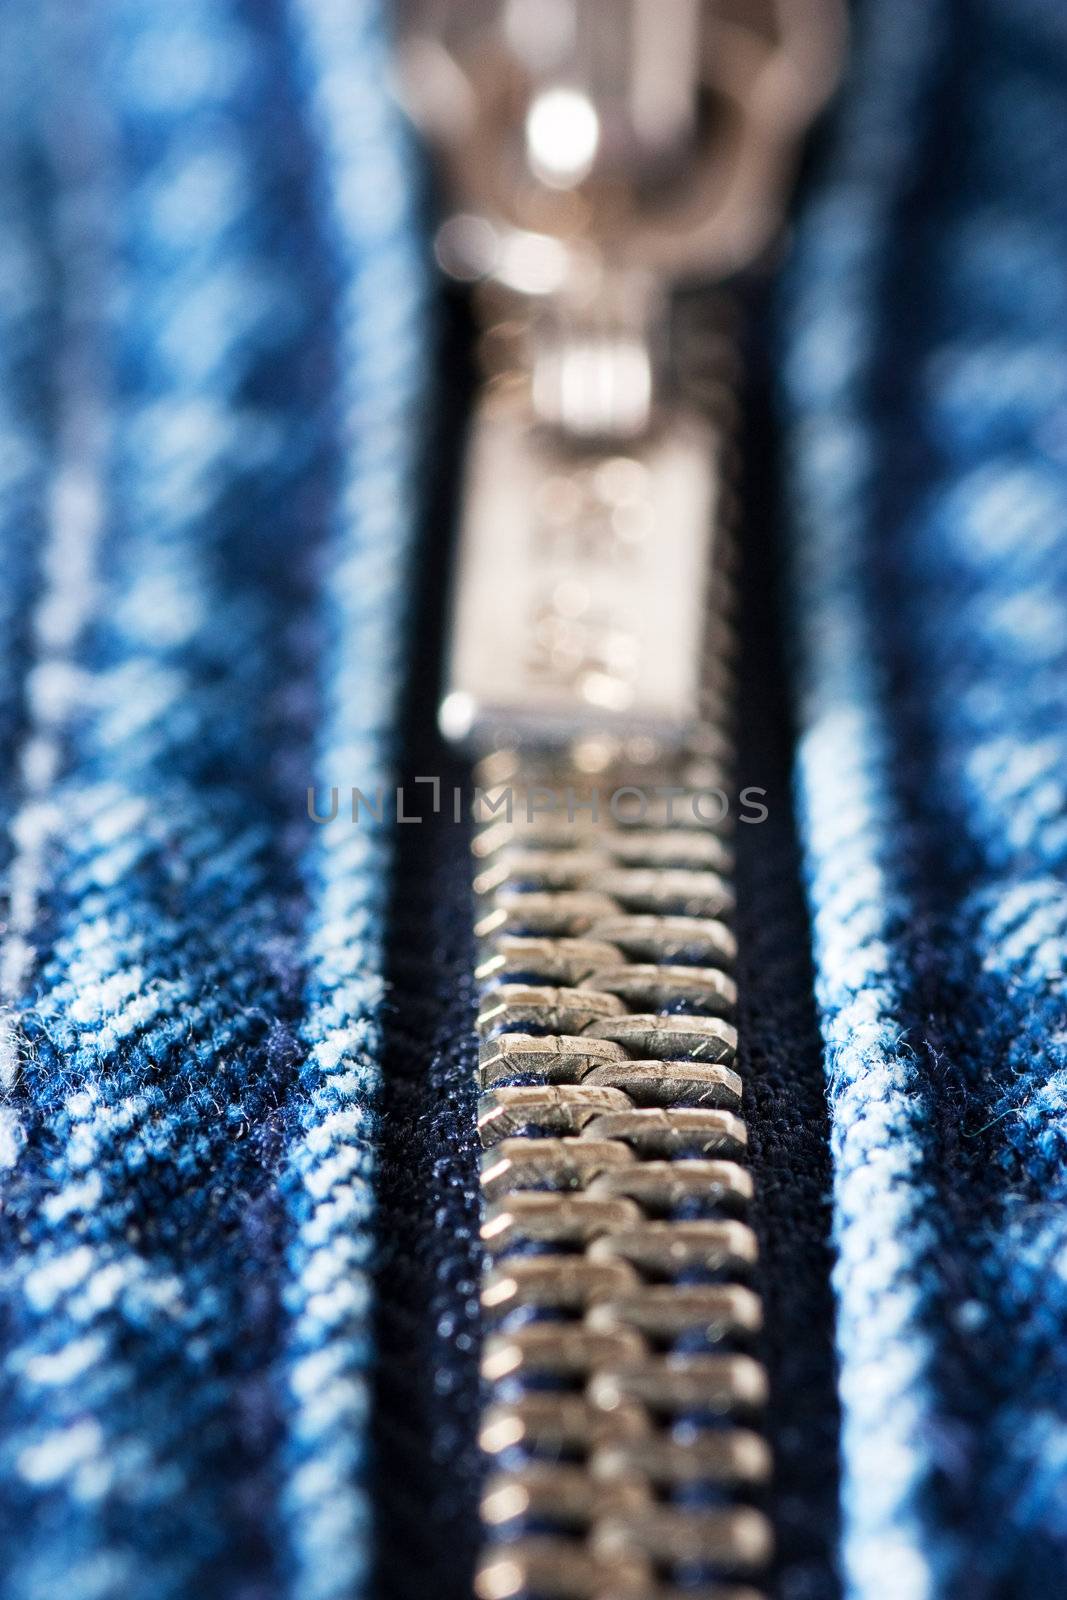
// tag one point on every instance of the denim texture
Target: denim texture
(926, 337)
(238, 1320)
(213, 350)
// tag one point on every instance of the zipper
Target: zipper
(594, 160)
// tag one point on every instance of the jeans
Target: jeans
(923, 378)
(238, 1247)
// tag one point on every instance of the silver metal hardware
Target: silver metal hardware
(616, 1302)
(595, 154)
(580, 599)
(659, 135)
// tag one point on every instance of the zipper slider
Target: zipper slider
(596, 155)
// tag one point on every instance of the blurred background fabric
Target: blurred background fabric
(925, 381)
(211, 347)
(237, 1249)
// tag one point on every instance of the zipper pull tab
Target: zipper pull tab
(596, 154)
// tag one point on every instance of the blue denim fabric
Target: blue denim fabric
(237, 1256)
(924, 385)
(212, 347)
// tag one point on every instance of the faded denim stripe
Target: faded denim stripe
(924, 386)
(163, 1084)
(380, 335)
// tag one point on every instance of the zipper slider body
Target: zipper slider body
(598, 154)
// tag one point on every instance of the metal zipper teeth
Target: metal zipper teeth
(623, 1395)
(623, 1400)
